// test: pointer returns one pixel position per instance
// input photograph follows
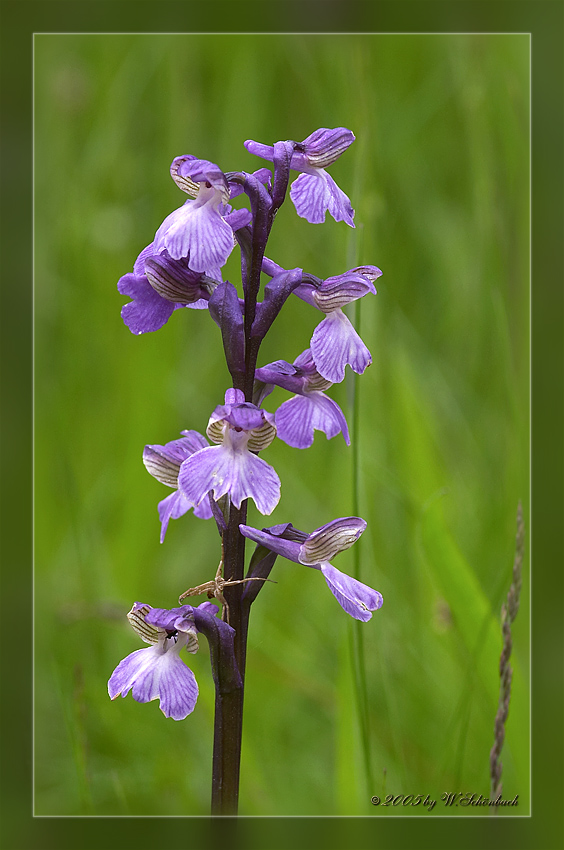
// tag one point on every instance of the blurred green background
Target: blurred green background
(439, 180)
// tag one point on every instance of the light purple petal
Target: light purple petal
(197, 231)
(355, 598)
(246, 416)
(231, 469)
(173, 507)
(334, 344)
(134, 665)
(148, 311)
(263, 175)
(304, 362)
(209, 608)
(203, 510)
(181, 618)
(194, 442)
(316, 192)
(200, 304)
(239, 414)
(257, 149)
(163, 463)
(239, 218)
(281, 374)
(339, 205)
(306, 291)
(152, 674)
(155, 625)
(309, 195)
(370, 273)
(299, 417)
(139, 265)
(233, 396)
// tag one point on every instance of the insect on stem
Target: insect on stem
(214, 588)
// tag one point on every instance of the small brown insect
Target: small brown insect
(214, 589)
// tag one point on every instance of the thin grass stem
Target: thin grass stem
(508, 613)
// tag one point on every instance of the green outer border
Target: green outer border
(544, 19)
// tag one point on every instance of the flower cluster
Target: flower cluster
(214, 475)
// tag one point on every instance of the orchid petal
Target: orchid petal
(230, 469)
(153, 673)
(299, 417)
(355, 598)
(173, 507)
(315, 192)
(334, 344)
(198, 232)
(148, 311)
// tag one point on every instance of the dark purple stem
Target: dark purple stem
(228, 722)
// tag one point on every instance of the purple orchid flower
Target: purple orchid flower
(310, 409)
(315, 192)
(158, 672)
(335, 342)
(164, 462)
(314, 550)
(197, 231)
(231, 468)
(160, 285)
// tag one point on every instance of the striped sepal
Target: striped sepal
(192, 643)
(136, 617)
(324, 146)
(215, 430)
(161, 467)
(185, 183)
(171, 287)
(315, 383)
(260, 438)
(335, 295)
(330, 539)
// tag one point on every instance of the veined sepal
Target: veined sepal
(326, 542)
(261, 438)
